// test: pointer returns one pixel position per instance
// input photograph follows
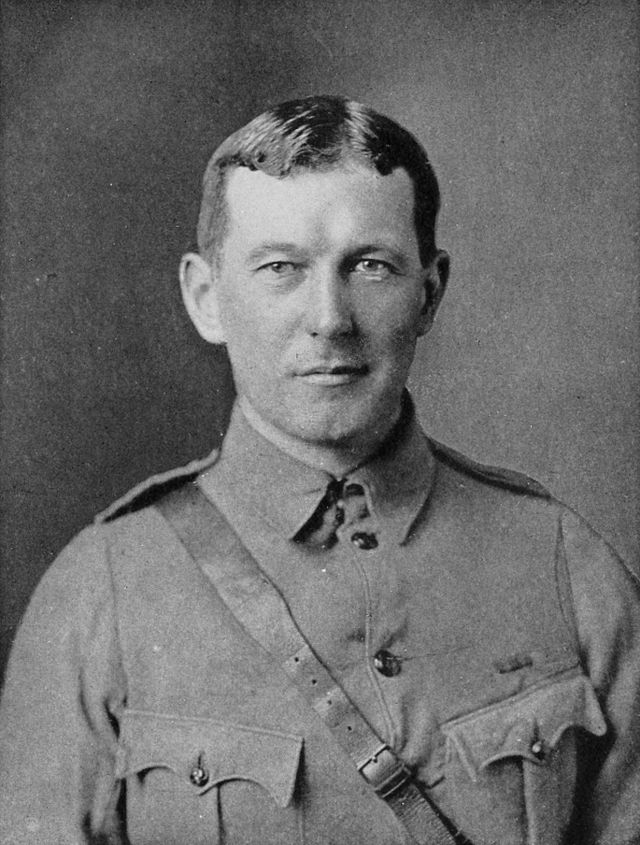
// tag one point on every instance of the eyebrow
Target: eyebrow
(277, 246)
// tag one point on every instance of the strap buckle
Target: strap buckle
(385, 772)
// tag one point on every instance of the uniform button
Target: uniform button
(199, 776)
(364, 540)
(387, 663)
(537, 749)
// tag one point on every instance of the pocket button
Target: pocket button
(199, 776)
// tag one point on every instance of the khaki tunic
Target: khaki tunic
(515, 626)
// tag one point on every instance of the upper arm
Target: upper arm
(63, 691)
(606, 606)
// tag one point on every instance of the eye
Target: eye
(279, 268)
(374, 268)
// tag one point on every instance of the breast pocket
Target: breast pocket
(511, 767)
(202, 781)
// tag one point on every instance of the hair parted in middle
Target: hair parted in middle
(311, 134)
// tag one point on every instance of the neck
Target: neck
(336, 459)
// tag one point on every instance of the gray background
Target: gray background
(529, 112)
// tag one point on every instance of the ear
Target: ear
(436, 276)
(200, 297)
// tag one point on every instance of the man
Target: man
(336, 630)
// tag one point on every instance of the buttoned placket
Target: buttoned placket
(359, 534)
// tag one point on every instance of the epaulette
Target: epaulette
(517, 482)
(149, 491)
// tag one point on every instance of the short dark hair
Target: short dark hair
(315, 133)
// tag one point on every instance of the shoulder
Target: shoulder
(79, 573)
(140, 545)
(485, 501)
(489, 488)
(129, 539)
(495, 477)
(151, 490)
(84, 567)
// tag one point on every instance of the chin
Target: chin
(343, 431)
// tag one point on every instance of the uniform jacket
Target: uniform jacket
(129, 673)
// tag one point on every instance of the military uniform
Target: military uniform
(481, 627)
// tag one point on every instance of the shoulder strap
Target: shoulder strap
(517, 482)
(263, 613)
(148, 492)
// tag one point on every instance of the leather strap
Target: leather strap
(262, 611)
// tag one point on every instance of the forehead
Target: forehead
(345, 198)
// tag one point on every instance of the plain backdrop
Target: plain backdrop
(529, 112)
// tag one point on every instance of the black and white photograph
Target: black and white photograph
(319, 420)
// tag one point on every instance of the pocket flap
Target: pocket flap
(527, 725)
(215, 751)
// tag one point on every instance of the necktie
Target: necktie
(343, 503)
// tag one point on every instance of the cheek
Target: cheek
(240, 322)
(396, 307)
(395, 329)
(255, 350)
(248, 312)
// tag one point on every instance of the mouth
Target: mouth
(331, 375)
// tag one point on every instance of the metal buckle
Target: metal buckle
(385, 772)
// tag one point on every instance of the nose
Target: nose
(328, 310)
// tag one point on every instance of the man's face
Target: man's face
(320, 296)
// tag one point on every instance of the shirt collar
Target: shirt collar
(399, 477)
(263, 479)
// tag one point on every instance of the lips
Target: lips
(341, 372)
(333, 369)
